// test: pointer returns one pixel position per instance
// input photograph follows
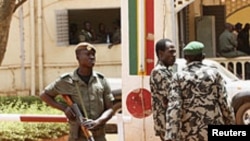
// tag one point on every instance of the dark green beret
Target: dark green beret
(193, 48)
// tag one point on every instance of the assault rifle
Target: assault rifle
(79, 117)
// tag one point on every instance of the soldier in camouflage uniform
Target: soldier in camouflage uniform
(197, 98)
(89, 90)
(160, 79)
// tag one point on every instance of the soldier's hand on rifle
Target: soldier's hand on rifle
(89, 124)
(69, 113)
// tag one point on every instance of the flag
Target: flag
(147, 51)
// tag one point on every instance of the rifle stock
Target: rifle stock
(79, 117)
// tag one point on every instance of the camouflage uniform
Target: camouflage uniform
(197, 99)
(94, 94)
(160, 79)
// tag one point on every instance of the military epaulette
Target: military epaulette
(100, 75)
(65, 75)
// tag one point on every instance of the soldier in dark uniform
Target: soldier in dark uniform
(197, 98)
(89, 90)
(160, 79)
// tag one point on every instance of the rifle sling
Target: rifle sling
(81, 100)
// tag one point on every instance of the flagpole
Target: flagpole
(141, 25)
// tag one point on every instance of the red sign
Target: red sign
(139, 103)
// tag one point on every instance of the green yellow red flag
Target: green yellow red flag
(135, 50)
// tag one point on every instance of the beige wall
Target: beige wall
(237, 13)
(51, 60)
(48, 60)
(44, 60)
(241, 16)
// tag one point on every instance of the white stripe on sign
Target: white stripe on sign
(9, 117)
(33, 118)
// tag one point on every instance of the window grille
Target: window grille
(62, 27)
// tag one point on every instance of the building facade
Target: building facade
(39, 47)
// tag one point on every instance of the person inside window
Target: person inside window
(116, 36)
(73, 34)
(102, 35)
(87, 34)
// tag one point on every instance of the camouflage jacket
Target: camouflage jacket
(160, 79)
(197, 99)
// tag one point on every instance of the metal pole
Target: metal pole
(141, 26)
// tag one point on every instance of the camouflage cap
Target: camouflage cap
(85, 45)
(193, 48)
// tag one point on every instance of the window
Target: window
(70, 24)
